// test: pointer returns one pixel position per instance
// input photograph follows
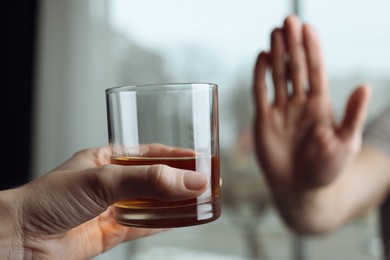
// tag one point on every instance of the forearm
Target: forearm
(362, 186)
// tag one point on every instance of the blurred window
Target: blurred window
(199, 40)
(355, 36)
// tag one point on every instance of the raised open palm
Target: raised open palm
(299, 143)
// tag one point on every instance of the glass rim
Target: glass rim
(160, 86)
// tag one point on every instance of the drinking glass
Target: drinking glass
(175, 124)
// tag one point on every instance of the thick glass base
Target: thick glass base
(169, 217)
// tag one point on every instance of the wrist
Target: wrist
(11, 240)
(307, 211)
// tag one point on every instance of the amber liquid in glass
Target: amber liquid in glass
(153, 213)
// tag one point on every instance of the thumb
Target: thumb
(155, 181)
(356, 110)
(62, 200)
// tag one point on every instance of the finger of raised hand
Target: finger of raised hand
(355, 112)
(297, 62)
(259, 85)
(315, 62)
(278, 62)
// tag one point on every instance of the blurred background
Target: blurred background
(60, 56)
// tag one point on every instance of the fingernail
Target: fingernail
(194, 180)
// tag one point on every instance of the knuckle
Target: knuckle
(102, 155)
(160, 177)
(102, 179)
(79, 153)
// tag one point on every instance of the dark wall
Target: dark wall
(18, 55)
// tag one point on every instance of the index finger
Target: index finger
(161, 150)
(87, 158)
(259, 85)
